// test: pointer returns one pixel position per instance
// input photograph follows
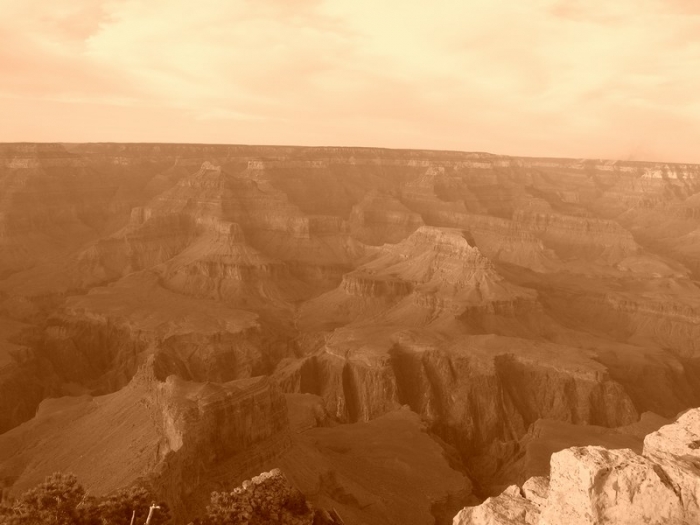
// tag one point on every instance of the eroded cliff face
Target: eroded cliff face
(590, 485)
(488, 294)
(182, 438)
(433, 276)
(96, 342)
(210, 432)
(480, 394)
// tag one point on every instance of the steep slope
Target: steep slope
(160, 433)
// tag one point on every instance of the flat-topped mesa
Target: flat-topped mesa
(593, 485)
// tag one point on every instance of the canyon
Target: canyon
(402, 333)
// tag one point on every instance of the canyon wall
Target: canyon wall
(491, 295)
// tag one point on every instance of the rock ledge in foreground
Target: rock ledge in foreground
(593, 485)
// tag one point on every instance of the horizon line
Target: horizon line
(300, 146)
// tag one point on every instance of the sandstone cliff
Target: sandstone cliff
(593, 485)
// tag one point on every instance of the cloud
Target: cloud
(545, 77)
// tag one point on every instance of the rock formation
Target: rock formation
(177, 435)
(492, 310)
(594, 485)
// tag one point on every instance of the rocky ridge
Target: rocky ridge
(594, 485)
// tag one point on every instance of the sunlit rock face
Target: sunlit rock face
(157, 432)
(594, 485)
(230, 428)
(513, 307)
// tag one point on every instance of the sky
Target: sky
(613, 79)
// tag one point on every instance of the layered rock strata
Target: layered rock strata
(214, 433)
(479, 393)
(432, 276)
(499, 298)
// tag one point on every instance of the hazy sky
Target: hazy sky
(588, 78)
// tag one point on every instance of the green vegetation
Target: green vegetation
(266, 499)
(61, 500)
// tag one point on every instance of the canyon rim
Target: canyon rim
(403, 333)
(332, 262)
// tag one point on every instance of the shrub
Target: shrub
(61, 500)
(55, 501)
(265, 499)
